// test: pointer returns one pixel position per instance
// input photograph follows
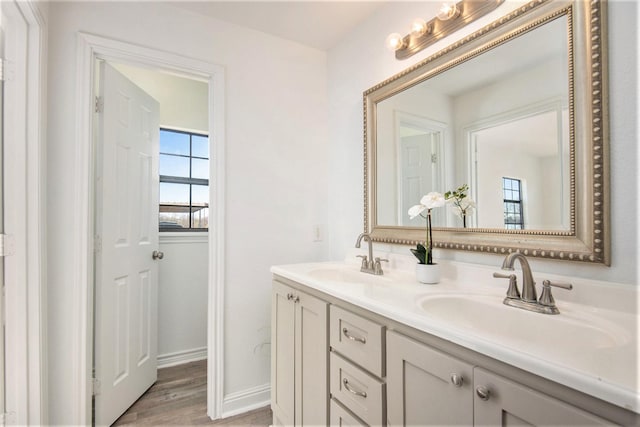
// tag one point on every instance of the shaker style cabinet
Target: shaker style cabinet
(357, 366)
(498, 401)
(299, 358)
(426, 386)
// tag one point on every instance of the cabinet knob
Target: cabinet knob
(483, 392)
(457, 380)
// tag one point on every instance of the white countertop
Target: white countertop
(607, 370)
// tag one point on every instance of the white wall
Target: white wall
(276, 167)
(182, 297)
(361, 61)
(184, 102)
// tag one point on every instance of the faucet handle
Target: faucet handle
(377, 266)
(512, 292)
(545, 297)
(365, 261)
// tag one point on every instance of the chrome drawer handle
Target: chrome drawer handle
(352, 391)
(346, 333)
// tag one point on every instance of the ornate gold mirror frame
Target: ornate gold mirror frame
(589, 234)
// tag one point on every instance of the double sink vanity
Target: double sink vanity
(350, 348)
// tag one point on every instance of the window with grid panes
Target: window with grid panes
(184, 181)
(512, 195)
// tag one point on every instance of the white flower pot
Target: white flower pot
(428, 273)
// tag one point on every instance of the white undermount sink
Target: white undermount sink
(579, 340)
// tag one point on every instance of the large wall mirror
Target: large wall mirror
(515, 111)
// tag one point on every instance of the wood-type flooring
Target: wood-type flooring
(179, 398)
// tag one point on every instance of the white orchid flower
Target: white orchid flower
(416, 210)
(430, 201)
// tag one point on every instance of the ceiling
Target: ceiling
(319, 24)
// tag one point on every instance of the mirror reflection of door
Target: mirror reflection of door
(419, 170)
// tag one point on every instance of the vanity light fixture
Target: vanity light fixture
(448, 10)
(395, 42)
(451, 17)
(419, 27)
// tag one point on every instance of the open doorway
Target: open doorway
(92, 48)
(151, 279)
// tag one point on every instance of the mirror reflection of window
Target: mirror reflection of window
(513, 206)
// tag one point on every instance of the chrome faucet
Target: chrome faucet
(529, 299)
(369, 265)
(528, 284)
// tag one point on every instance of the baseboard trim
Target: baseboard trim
(181, 357)
(246, 400)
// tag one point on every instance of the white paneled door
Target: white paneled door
(126, 291)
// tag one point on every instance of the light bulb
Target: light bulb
(394, 42)
(419, 27)
(447, 11)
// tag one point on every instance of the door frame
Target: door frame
(25, 224)
(89, 48)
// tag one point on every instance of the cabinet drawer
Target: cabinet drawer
(357, 390)
(342, 417)
(358, 339)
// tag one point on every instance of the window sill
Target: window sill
(184, 237)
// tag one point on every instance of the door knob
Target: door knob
(157, 255)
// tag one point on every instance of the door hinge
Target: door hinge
(95, 386)
(7, 245)
(97, 243)
(99, 105)
(2, 69)
(434, 158)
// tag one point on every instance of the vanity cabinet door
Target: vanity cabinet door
(282, 355)
(312, 360)
(425, 386)
(299, 358)
(502, 402)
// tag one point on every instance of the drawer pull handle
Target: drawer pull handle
(352, 391)
(346, 333)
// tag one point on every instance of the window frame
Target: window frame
(184, 180)
(512, 202)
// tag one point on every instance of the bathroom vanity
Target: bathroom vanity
(350, 348)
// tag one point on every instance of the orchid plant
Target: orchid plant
(461, 204)
(424, 253)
